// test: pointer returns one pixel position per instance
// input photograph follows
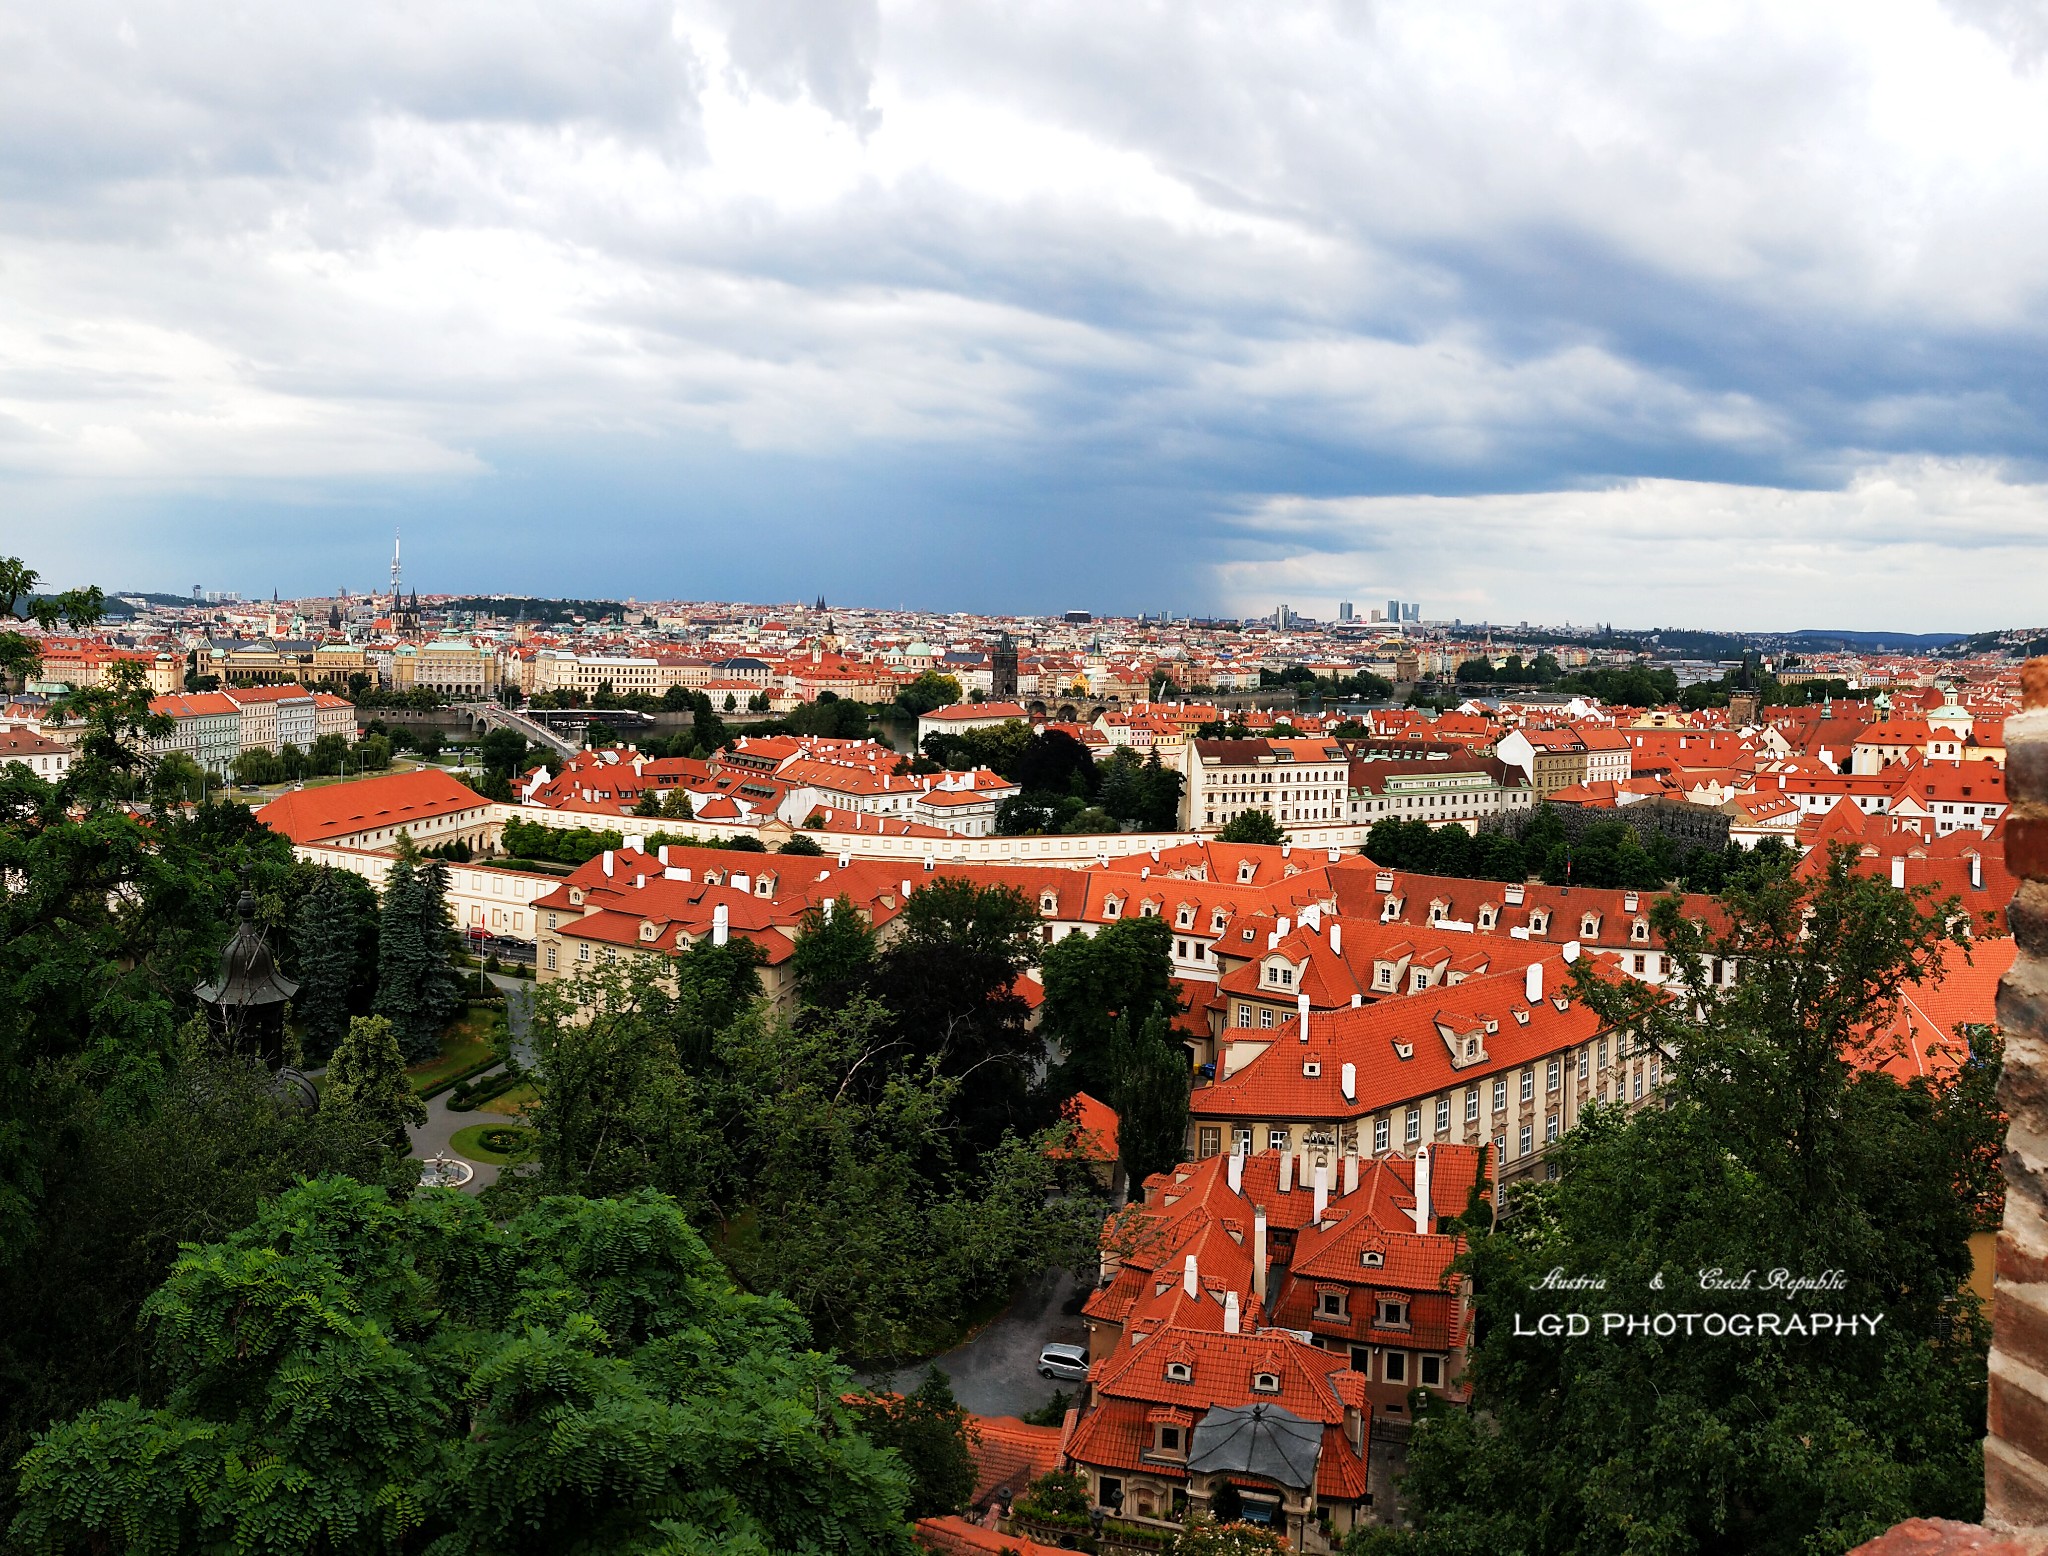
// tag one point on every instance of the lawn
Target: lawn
(512, 1103)
(468, 1143)
(468, 1042)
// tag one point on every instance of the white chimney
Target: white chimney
(742, 883)
(1233, 1321)
(1422, 1208)
(1322, 1192)
(1898, 872)
(1976, 873)
(1349, 1083)
(607, 861)
(906, 890)
(1351, 1171)
(721, 929)
(1533, 990)
(1357, 1000)
(1190, 1280)
(1259, 1253)
(1301, 1008)
(1236, 1171)
(1287, 1172)
(661, 853)
(1281, 926)
(825, 909)
(1336, 938)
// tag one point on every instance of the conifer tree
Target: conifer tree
(324, 944)
(417, 987)
(366, 1082)
(1151, 1099)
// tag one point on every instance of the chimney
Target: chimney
(1976, 873)
(906, 889)
(1357, 1000)
(1301, 1007)
(721, 929)
(1236, 1172)
(1259, 1253)
(607, 861)
(1422, 1207)
(1322, 1192)
(661, 853)
(1533, 990)
(1287, 1172)
(1190, 1279)
(1350, 1082)
(1336, 938)
(825, 910)
(1233, 1321)
(1351, 1171)
(1898, 872)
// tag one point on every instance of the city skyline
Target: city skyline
(1507, 311)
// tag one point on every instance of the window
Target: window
(1244, 1016)
(1372, 1259)
(1265, 1383)
(1414, 1130)
(1639, 1085)
(1211, 1140)
(1642, 964)
(1109, 1492)
(1241, 1140)
(1550, 1076)
(1393, 1312)
(1500, 1096)
(551, 957)
(1330, 1304)
(1379, 1136)
(1603, 1053)
(1276, 1139)
(1266, 1017)
(1443, 1114)
(1169, 1439)
(1361, 1359)
(1528, 1085)
(583, 953)
(1432, 1371)
(1472, 1105)
(1655, 1067)
(1528, 1140)
(1550, 1129)
(1179, 1372)
(1582, 1064)
(1397, 1366)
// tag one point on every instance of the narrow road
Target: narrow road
(996, 1372)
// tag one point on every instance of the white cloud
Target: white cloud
(1913, 545)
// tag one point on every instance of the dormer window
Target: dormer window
(1539, 923)
(1639, 931)
(1179, 1372)
(1486, 918)
(1311, 1068)
(1265, 1383)
(1184, 918)
(1112, 907)
(1148, 909)
(1589, 927)
(1393, 1314)
(1217, 921)
(1372, 1259)
(1383, 976)
(1048, 903)
(648, 932)
(1245, 872)
(1471, 1048)
(575, 896)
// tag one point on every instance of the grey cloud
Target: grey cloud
(823, 49)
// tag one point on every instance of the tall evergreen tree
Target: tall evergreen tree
(1151, 1099)
(366, 1082)
(417, 988)
(324, 943)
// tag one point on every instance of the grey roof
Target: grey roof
(1264, 1440)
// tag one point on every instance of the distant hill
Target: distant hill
(1908, 642)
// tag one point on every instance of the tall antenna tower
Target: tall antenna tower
(394, 569)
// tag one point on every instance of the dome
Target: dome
(246, 976)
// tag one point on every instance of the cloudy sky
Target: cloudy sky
(1706, 314)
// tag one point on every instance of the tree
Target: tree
(1151, 1098)
(374, 752)
(411, 1375)
(334, 923)
(1251, 826)
(417, 986)
(177, 779)
(649, 803)
(930, 690)
(366, 1082)
(676, 806)
(255, 768)
(931, 1435)
(1782, 1143)
(799, 843)
(502, 751)
(1122, 973)
(328, 753)
(428, 742)
(834, 960)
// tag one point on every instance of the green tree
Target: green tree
(1781, 1144)
(328, 940)
(649, 803)
(257, 768)
(799, 843)
(834, 960)
(417, 985)
(374, 752)
(1124, 972)
(676, 806)
(1151, 1098)
(414, 1376)
(930, 690)
(931, 1435)
(178, 780)
(366, 1082)
(1251, 826)
(328, 753)
(503, 751)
